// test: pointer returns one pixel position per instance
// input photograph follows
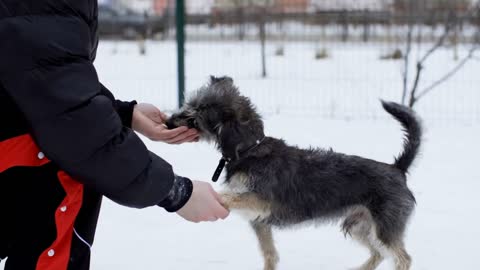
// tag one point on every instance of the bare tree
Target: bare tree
(239, 7)
(261, 7)
(408, 50)
(451, 23)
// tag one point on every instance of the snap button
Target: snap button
(51, 252)
(41, 155)
(63, 208)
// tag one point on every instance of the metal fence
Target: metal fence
(332, 59)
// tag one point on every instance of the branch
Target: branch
(448, 27)
(413, 99)
(476, 44)
(449, 74)
(406, 59)
(451, 22)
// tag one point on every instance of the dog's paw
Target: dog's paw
(227, 199)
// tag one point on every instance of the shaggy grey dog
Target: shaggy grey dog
(281, 185)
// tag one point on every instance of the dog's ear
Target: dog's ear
(224, 79)
(230, 138)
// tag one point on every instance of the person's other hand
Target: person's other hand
(149, 121)
(204, 204)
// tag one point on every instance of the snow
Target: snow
(441, 235)
(330, 103)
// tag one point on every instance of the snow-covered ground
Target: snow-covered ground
(443, 233)
(331, 103)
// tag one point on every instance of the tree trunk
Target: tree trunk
(263, 37)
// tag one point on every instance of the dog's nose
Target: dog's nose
(170, 124)
(191, 123)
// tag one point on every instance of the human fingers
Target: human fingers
(186, 136)
(216, 195)
(190, 138)
(163, 116)
(213, 219)
(220, 211)
(169, 134)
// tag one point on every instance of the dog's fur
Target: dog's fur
(282, 185)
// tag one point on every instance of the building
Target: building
(199, 6)
(141, 6)
(335, 5)
(433, 5)
(160, 7)
(282, 6)
(291, 6)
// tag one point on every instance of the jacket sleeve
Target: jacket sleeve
(47, 71)
(179, 194)
(123, 108)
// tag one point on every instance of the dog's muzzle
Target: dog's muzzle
(191, 123)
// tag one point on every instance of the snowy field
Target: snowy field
(442, 234)
(330, 103)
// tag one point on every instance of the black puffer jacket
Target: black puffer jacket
(64, 140)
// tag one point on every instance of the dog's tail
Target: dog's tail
(413, 133)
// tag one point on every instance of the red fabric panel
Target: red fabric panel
(20, 151)
(57, 256)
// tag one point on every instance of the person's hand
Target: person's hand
(151, 112)
(204, 204)
(149, 121)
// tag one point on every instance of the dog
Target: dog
(281, 186)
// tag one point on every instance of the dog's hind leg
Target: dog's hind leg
(379, 238)
(390, 227)
(402, 260)
(359, 225)
(265, 239)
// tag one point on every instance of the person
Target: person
(65, 141)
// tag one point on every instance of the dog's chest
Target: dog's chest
(238, 183)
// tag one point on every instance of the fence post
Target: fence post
(180, 26)
(366, 24)
(344, 22)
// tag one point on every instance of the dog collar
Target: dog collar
(218, 171)
(224, 160)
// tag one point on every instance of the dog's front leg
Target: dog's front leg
(257, 209)
(246, 202)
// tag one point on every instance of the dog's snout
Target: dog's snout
(178, 120)
(170, 124)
